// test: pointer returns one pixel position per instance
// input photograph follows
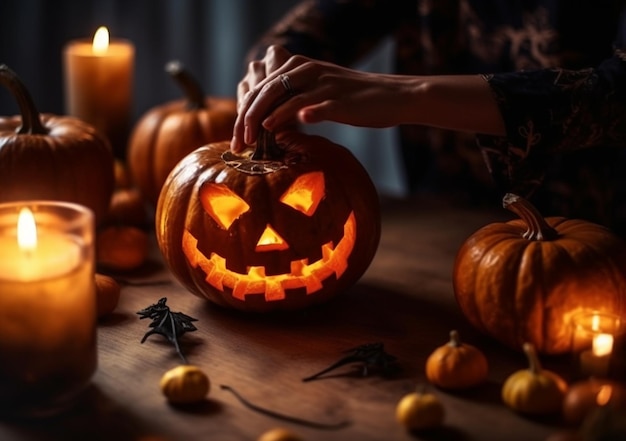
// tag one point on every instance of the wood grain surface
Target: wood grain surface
(404, 300)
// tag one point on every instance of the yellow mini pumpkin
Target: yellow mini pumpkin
(534, 391)
(420, 410)
(185, 384)
(279, 434)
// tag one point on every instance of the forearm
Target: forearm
(456, 102)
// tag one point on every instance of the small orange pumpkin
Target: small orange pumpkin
(522, 281)
(285, 227)
(456, 365)
(45, 156)
(167, 133)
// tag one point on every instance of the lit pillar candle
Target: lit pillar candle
(98, 85)
(595, 361)
(47, 306)
(594, 338)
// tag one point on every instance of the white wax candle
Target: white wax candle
(98, 85)
(596, 361)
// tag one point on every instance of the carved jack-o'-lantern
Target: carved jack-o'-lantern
(284, 227)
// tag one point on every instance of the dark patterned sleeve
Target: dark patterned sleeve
(552, 111)
(340, 31)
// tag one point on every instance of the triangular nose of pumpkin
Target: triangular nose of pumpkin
(270, 240)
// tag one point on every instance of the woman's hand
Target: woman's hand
(281, 89)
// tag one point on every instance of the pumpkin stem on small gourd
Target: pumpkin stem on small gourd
(420, 389)
(266, 147)
(455, 339)
(191, 87)
(534, 365)
(538, 228)
(31, 120)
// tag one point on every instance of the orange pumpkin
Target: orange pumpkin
(167, 133)
(289, 226)
(456, 365)
(522, 281)
(45, 156)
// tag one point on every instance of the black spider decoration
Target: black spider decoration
(370, 355)
(171, 325)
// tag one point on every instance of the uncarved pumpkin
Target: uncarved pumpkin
(522, 281)
(289, 225)
(45, 156)
(168, 132)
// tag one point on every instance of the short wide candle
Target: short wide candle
(98, 85)
(47, 306)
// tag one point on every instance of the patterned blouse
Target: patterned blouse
(555, 68)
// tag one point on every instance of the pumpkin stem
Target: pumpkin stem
(538, 228)
(266, 147)
(191, 87)
(420, 389)
(455, 339)
(534, 365)
(31, 121)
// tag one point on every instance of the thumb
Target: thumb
(316, 113)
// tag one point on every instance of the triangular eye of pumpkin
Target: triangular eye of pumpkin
(305, 193)
(222, 204)
(270, 240)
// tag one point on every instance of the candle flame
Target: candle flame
(101, 40)
(604, 395)
(602, 345)
(26, 230)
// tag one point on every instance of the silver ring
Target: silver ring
(284, 80)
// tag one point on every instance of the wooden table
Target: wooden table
(404, 300)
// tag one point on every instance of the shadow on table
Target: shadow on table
(95, 417)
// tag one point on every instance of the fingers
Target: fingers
(258, 72)
(258, 105)
(274, 58)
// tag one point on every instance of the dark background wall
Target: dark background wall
(210, 37)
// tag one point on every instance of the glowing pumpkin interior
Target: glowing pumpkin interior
(225, 207)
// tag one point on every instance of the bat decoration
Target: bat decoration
(369, 355)
(171, 325)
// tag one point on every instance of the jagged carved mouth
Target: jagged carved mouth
(303, 274)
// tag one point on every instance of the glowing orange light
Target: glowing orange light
(303, 274)
(604, 395)
(270, 240)
(223, 205)
(305, 193)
